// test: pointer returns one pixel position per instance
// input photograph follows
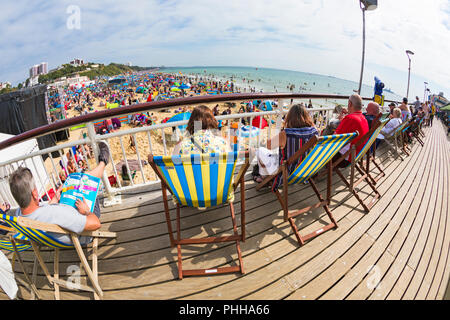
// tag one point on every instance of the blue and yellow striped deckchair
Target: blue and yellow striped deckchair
(40, 234)
(357, 163)
(202, 181)
(316, 153)
(17, 243)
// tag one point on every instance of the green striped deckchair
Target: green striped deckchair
(39, 234)
(357, 163)
(317, 152)
(202, 181)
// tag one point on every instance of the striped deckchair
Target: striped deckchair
(394, 137)
(202, 181)
(316, 154)
(39, 235)
(357, 163)
(404, 136)
(17, 243)
(416, 132)
(384, 116)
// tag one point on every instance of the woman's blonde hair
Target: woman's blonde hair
(397, 113)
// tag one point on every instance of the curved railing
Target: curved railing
(47, 174)
(155, 105)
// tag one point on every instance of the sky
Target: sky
(316, 36)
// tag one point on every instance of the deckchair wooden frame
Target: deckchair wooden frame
(415, 131)
(16, 254)
(54, 280)
(178, 242)
(394, 136)
(372, 153)
(361, 168)
(283, 197)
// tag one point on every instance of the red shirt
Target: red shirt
(354, 122)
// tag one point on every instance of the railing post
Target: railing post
(111, 199)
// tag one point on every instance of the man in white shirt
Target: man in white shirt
(77, 219)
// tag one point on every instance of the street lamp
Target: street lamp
(365, 5)
(408, 52)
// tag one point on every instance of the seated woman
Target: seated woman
(339, 113)
(396, 120)
(298, 129)
(201, 134)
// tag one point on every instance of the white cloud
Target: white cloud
(313, 36)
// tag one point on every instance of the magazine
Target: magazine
(79, 185)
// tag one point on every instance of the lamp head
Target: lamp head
(369, 4)
(409, 52)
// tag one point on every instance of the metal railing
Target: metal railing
(152, 139)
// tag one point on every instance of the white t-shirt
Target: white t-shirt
(390, 127)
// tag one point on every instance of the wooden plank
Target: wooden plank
(419, 259)
(431, 270)
(270, 253)
(385, 228)
(388, 257)
(401, 246)
(350, 274)
(401, 270)
(441, 280)
(298, 258)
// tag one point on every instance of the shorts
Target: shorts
(97, 208)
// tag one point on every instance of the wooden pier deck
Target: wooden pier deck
(399, 250)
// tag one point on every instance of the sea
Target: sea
(276, 80)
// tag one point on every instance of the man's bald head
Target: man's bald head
(355, 103)
(373, 109)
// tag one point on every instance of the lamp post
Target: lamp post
(365, 5)
(408, 53)
(425, 91)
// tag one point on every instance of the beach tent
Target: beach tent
(180, 117)
(257, 120)
(35, 164)
(266, 106)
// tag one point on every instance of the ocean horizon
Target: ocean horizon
(280, 80)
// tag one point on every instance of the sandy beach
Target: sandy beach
(122, 148)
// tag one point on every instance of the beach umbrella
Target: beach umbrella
(180, 117)
(183, 86)
(175, 89)
(177, 84)
(248, 132)
(201, 84)
(257, 120)
(446, 108)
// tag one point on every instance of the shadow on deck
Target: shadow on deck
(397, 251)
